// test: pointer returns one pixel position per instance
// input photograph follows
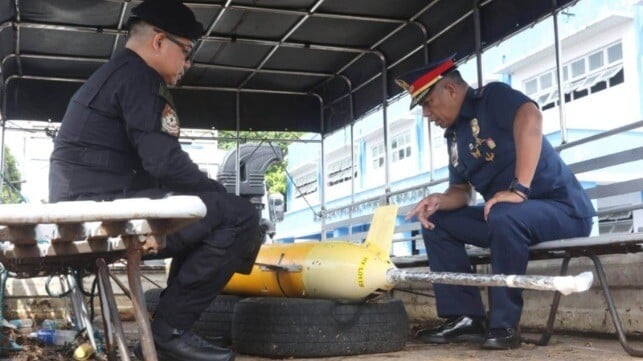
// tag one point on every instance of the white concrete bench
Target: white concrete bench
(84, 236)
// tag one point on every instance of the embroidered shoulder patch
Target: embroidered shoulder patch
(170, 121)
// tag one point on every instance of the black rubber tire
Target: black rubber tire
(152, 297)
(215, 321)
(290, 327)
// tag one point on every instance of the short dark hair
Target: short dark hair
(135, 26)
(456, 77)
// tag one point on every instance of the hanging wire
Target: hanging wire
(93, 293)
(61, 278)
(292, 180)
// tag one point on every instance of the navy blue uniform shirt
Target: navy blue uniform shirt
(119, 135)
(482, 152)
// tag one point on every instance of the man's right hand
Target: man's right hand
(455, 197)
(424, 209)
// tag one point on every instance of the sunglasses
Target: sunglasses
(186, 49)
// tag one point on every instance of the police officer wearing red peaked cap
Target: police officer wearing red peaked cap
(119, 139)
(495, 144)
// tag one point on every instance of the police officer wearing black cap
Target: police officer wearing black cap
(119, 139)
(495, 144)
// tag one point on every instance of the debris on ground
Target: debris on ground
(35, 350)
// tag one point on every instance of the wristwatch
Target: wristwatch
(516, 186)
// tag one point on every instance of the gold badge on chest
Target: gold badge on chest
(481, 147)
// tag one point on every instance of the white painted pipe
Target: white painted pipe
(563, 284)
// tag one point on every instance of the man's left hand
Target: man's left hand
(502, 196)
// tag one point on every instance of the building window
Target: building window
(615, 53)
(539, 84)
(592, 73)
(531, 86)
(618, 78)
(305, 184)
(596, 61)
(545, 81)
(377, 155)
(401, 146)
(578, 68)
(340, 171)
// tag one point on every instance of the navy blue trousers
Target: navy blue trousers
(509, 231)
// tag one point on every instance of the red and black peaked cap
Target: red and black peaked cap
(419, 82)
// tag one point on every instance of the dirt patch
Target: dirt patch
(34, 350)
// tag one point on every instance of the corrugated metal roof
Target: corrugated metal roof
(282, 60)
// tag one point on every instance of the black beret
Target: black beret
(169, 15)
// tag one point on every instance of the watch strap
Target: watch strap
(516, 186)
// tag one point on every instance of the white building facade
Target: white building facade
(601, 83)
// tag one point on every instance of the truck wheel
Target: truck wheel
(290, 327)
(215, 322)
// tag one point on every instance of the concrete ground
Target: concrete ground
(561, 348)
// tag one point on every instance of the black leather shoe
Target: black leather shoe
(176, 345)
(461, 329)
(502, 339)
(186, 347)
(196, 340)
